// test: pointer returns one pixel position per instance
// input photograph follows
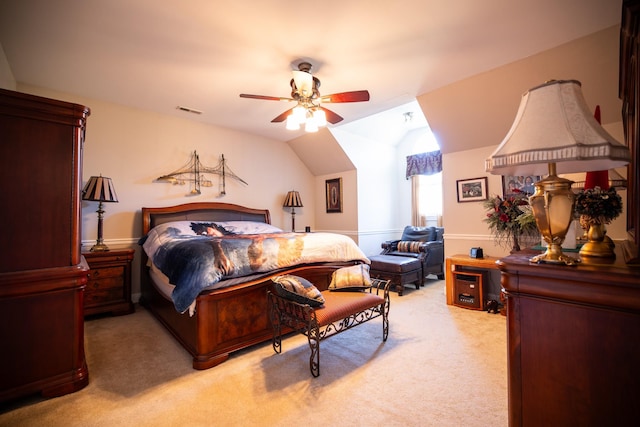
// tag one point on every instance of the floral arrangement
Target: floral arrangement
(598, 206)
(510, 219)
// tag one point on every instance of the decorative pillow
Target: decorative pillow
(354, 278)
(409, 246)
(297, 289)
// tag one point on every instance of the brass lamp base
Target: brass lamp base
(552, 207)
(599, 245)
(554, 255)
(99, 248)
(597, 249)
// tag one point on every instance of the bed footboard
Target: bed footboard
(227, 319)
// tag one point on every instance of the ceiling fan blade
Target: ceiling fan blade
(354, 96)
(332, 117)
(282, 117)
(266, 98)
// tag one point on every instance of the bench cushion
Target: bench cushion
(339, 305)
(394, 264)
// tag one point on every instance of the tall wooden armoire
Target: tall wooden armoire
(42, 271)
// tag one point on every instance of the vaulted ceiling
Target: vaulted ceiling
(201, 54)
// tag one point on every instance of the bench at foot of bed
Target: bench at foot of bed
(341, 311)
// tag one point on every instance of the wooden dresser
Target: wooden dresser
(573, 332)
(109, 287)
(572, 338)
(42, 272)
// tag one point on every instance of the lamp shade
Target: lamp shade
(292, 200)
(555, 125)
(99, 189)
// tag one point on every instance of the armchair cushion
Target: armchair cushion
(422, 234)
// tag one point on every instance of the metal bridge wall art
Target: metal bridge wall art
(194, 173)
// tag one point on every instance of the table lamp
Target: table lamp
(293, 201)
(99, 189)
(555, 131)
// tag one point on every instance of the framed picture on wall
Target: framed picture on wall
(334, 195)
(524, 184)
(472, 190)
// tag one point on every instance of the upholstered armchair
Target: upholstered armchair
(424, 243)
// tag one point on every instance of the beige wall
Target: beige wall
(6, 76)
(326, 159)
(345, 222)
(478, 111)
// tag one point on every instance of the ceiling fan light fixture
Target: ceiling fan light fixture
(299, 113)
(303, 82)
(320, 117)
(292, 123)
(311, 126)
(305, 92)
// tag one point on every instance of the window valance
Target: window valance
(424, 163)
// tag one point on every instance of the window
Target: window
(426, 202)
(430, 195)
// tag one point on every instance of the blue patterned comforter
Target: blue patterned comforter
(194, 260)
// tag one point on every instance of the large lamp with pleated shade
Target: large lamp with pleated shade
(555, 131)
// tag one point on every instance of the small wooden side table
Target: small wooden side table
(460, 260)
(109, 286)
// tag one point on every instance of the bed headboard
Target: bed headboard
(205, 211)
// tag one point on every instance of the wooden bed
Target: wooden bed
(225, 319)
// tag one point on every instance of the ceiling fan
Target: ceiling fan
(308, 111)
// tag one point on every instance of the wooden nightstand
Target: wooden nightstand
(109, 285)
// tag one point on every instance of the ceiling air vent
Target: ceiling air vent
(188, 110)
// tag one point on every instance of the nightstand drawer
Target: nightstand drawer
(102, 295)
(104, 283)
(109, 286)
(105, 272)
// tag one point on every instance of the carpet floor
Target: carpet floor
(441, 366)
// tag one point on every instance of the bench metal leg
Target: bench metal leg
(274, 314)
(385, 318)
(313, 334)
